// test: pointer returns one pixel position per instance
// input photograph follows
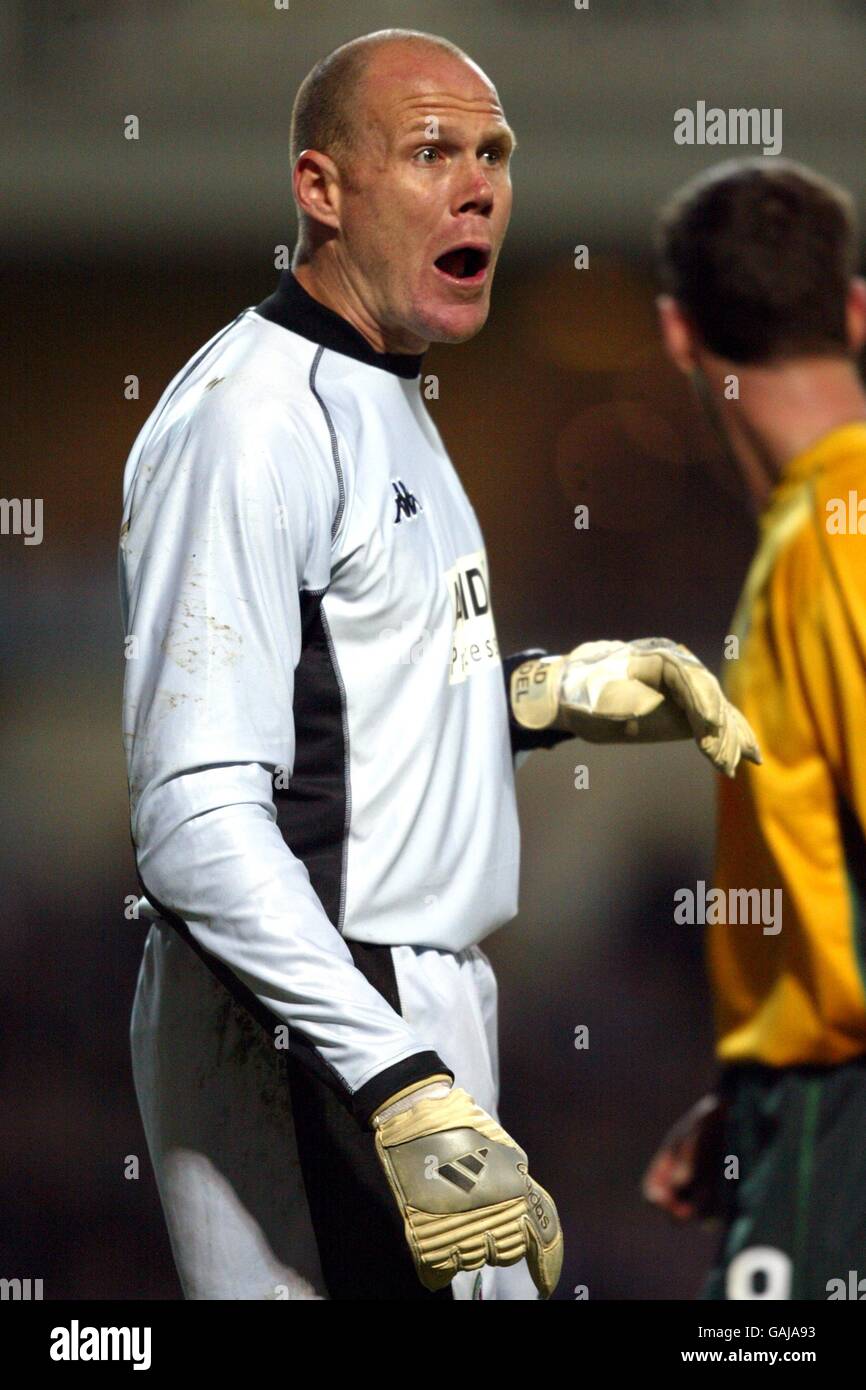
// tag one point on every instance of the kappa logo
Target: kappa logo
(407, 503)
(464, 1172)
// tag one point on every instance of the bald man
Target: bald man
(321, 734)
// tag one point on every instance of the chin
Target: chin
(453, 323)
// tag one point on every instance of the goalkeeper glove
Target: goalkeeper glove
(647, 691)
(463, 1188)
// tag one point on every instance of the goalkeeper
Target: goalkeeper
(300, 788)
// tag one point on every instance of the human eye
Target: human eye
(427, 150)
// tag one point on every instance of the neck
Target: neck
(323, 277)
(783, 411)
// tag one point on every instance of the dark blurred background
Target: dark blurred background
(121, 258)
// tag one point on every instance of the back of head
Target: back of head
(760, 256)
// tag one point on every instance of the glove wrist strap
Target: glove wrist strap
(535, 691)
(403, 1100)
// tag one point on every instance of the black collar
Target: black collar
(293, 308)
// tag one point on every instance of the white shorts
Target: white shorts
(218, 1118)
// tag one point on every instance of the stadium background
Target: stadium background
(122, 257)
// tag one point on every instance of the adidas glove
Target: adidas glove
(464, 1190)
(647, 691)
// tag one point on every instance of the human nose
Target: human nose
(475, 192)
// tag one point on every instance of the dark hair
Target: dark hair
(760, 255)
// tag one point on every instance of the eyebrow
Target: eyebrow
(499, 135)
(506, 136)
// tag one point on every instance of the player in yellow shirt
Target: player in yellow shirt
(762, 309)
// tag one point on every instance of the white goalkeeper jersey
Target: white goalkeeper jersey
(318, 738)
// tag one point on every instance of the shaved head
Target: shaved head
(326, 115)
(400, 174)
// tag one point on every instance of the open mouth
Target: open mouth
(465, 264)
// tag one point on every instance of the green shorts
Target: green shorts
(795, 1223)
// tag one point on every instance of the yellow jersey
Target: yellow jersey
(797, 996)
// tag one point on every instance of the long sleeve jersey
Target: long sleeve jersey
(796, 996)
(319, 743)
